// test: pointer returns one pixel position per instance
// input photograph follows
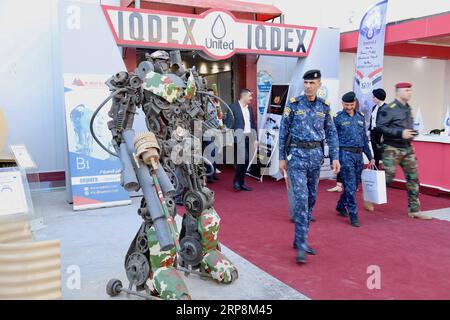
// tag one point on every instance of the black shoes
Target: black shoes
(308, 250)
(301, 257)
(354, 222)
(239, 187)
(342, 212)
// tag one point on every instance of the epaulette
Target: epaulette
(327, 102)
(392, 105)
(292, 99)
(361, 113)
(287, 112)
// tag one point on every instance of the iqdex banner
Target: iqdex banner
(369, 57)
(216, 32)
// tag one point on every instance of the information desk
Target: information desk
(433, 157)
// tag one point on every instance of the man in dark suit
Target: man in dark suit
(244, 127)
(379, 96)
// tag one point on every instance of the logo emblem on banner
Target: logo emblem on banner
(216, 32)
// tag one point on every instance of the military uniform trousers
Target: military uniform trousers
(406, 158)
(352, 165)
(304, 173)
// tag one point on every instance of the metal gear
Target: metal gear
(191, 251)
(137, 268)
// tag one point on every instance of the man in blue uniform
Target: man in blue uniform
(353, 142)
(306, 123)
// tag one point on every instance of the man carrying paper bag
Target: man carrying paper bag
(353, 142)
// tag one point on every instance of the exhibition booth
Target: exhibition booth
(417, 51)
(230, 52)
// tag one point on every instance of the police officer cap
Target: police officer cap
(312, 75)
(380, 94)
(349, 97)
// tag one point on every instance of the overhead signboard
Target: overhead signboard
(215, 32)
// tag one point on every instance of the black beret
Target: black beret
(312, 75)
(349, 97)
(380, 94)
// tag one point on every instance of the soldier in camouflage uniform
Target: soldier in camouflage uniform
(353, 141)
(396, 124)
(306, 123)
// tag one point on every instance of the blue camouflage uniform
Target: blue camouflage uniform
(352, 134)
(305, 121)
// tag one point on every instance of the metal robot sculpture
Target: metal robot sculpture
(172, 99)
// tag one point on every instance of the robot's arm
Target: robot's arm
(139, 155)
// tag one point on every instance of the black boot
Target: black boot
(308, 250)
(342, 212)
(301, 256)
(354, 221)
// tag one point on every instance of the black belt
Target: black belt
(306, 144)
(351, 149)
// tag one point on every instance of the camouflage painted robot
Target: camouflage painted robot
(172, 99)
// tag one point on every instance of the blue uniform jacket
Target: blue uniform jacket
(352, 131)
(308, 121)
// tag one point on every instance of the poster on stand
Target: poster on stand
(94, 173)
(268, 135)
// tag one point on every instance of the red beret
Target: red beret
(403, 85)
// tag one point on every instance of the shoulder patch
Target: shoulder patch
(287, 112)
(292, 99)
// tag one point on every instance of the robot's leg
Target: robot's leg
(214, 262)
(166, 280)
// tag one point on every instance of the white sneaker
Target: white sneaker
(337, 188)
(218, 171)
(369, 206)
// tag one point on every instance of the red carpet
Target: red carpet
(413, 255)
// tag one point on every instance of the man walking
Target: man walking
(306, 123)
(396, 124)
(379, 96)
(353, 142)
(244, 130)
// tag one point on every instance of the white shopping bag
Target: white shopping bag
(374, 186)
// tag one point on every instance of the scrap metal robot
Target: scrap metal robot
(161, 161)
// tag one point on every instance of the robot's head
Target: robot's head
(160, 55)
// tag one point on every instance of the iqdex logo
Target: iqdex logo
(216, 32)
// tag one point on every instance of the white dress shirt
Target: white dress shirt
(246, 114)
(374, 116)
